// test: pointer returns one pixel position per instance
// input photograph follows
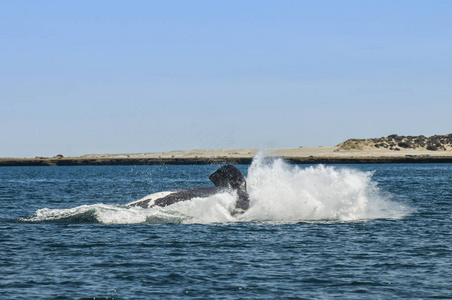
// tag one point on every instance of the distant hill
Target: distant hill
(397, 142)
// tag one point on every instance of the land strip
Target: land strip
(302, 155)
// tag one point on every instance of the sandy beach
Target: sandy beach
(302, 152)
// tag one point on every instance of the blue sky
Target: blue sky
(80, 77)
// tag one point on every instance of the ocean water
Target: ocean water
(312, 232)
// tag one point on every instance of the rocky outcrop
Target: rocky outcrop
(396, 142)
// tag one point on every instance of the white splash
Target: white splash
(279, 192)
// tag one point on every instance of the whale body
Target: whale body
(226, 178)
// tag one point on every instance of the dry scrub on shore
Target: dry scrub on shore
(396, 142)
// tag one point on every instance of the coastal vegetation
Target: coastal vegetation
(396, 142)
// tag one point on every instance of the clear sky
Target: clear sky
(79, 77)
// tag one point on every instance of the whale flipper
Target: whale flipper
(163, 199)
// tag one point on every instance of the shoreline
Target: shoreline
(311, 155)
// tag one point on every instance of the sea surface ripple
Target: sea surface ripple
(312, 232)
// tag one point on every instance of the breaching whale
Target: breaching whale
(225, 178)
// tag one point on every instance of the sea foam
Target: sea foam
(287, 193)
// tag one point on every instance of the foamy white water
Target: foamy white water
(213, 209)
(279, 192)
(287, 193)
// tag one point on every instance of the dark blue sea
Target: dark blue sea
(377, 231)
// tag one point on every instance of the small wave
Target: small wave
(279, 193)
(213, 209)
(96, 213)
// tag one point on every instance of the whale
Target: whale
(225, 179)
